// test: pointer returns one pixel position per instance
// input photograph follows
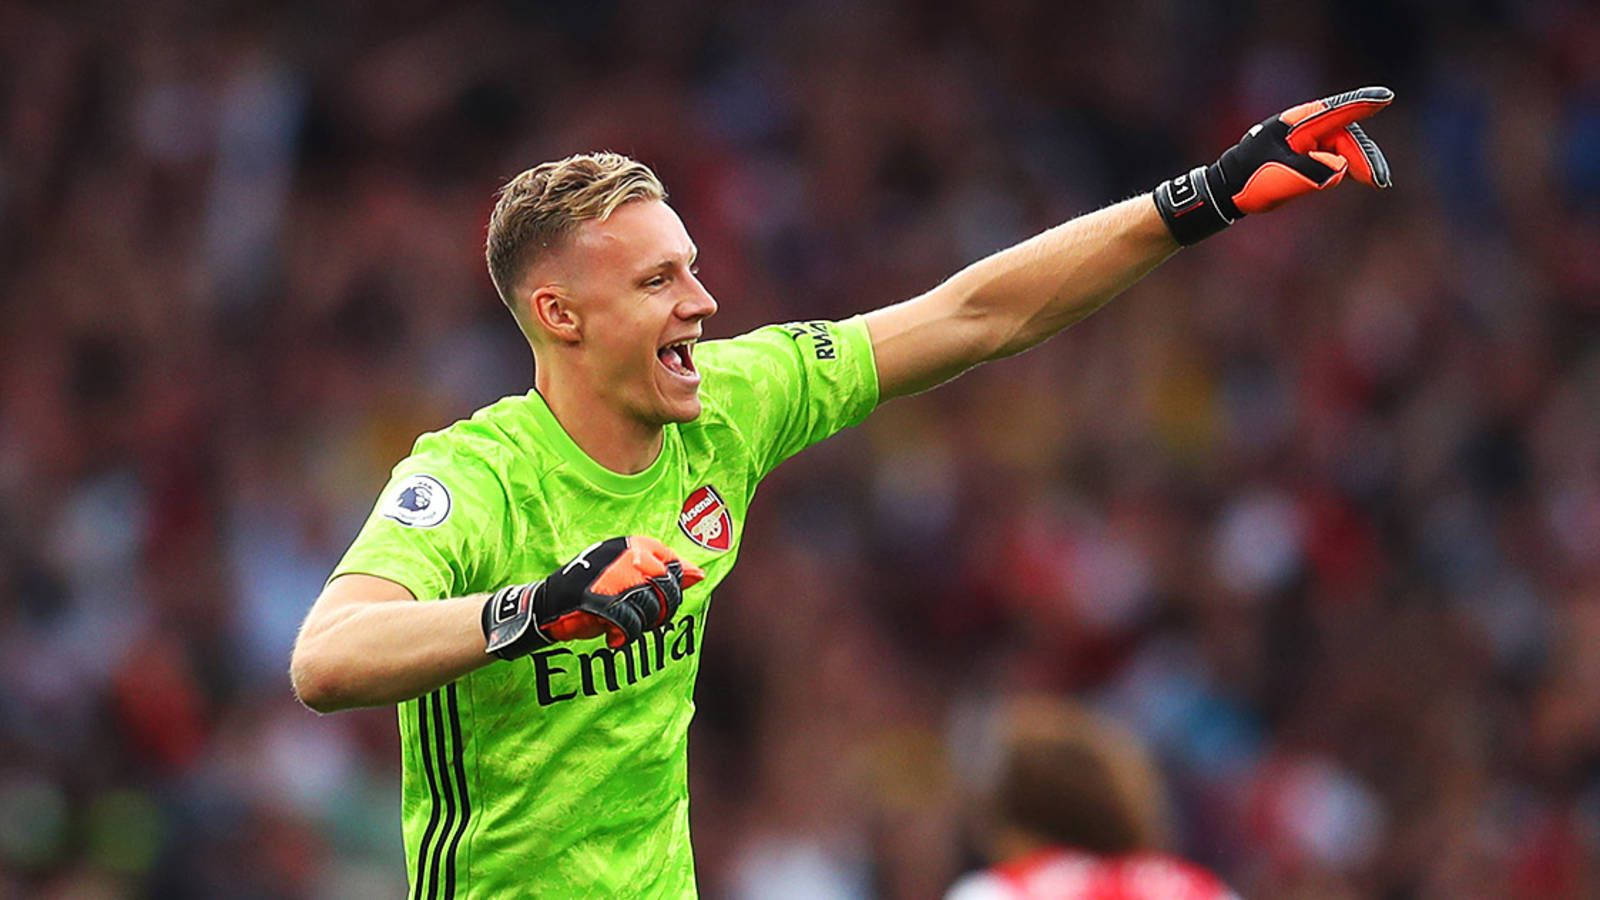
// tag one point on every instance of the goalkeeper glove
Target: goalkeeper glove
(1303, 149)
(618, 587)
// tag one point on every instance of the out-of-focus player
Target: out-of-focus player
(564, 543)
(1074, 809)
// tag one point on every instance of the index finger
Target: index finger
(1310, 123)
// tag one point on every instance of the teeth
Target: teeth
(675, 356)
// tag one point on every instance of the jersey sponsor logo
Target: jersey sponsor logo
(705, 519)
(420, 501)
(561, 674)
(821, 337)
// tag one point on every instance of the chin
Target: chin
(675, 403)
(671, 400)
(675, 412)
(683, 413)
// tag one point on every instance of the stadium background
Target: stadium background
(1315, 508)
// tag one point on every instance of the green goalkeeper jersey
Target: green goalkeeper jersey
(564, 774)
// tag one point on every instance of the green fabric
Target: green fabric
(565, 773)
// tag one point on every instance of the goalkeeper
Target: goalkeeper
(564, 543)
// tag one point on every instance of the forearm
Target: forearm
(1007, 302)
(1035, 289)
(367, 642)
(373, 654)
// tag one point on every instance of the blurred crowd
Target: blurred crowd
(1314, 509)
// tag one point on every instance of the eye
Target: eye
(655, 281)
(695, 270)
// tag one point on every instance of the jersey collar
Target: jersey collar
(594, 472)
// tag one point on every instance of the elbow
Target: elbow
(316, 683)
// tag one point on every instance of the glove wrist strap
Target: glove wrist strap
(1191, 209)
(510, 622)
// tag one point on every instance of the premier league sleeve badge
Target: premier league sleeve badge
(419, 501)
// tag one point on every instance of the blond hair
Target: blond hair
(536, 210)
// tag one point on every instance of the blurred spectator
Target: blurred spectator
(1074, 810)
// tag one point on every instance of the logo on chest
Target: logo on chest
(705, 519)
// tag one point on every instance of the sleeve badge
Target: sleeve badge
(419, 501)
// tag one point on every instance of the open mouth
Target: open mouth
(678, 358)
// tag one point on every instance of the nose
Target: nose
(699, 304)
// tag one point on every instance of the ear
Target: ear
(552, 313)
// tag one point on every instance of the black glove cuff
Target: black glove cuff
(1191, 209)
(510, 626)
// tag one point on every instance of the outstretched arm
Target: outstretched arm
(1018, 297)
(1005, 303)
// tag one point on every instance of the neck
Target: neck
(612, 439)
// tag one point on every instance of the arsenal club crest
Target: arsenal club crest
(705, 519)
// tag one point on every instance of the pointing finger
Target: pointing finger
(1311, 123)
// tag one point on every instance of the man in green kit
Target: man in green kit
(565, 542)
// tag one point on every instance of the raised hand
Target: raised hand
(1305, 148)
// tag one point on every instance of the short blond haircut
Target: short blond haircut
(538, 209)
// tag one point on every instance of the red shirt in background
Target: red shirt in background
(1058, 874)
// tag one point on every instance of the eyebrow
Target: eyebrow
(668, 262)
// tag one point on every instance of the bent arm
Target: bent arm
(367, 642)
(1010, 301)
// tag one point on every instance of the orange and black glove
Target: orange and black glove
(619, 587)
(1303, 149)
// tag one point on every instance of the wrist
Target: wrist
(510, 621)
(1194, 205)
